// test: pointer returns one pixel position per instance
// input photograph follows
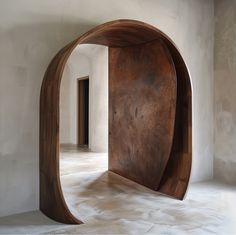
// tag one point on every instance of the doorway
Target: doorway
(83, 111)
(134, 39)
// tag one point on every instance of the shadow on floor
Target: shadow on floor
(33, 222)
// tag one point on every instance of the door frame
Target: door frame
(80, 113)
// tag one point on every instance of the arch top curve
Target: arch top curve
(120, 33)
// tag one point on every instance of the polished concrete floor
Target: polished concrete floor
(110, 204)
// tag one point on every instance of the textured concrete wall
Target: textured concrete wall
(225, 91)
(31, 33)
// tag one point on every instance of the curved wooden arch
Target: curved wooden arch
(116, 34)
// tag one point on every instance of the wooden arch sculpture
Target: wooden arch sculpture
(149, 113)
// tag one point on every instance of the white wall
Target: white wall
(31, 33)
(98, 99)
(225, 91)
(76, 67)
(86, 60)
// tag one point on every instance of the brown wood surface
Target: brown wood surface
(120, 33)
(81, 111)
(142, 103)
(177, 173)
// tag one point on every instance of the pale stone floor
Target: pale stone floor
(110, 204)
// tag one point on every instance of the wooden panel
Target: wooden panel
(80, 112)
(52, 202)
(119, 33)
(177, 173)
(122, 33)
(83, 96)
(142, 102)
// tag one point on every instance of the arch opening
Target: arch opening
(160, 77)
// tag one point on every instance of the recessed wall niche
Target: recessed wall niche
(150, 135)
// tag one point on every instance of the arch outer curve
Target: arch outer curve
(118, 33)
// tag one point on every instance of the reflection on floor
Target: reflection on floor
(108, 203)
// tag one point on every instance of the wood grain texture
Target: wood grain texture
(52, 202)
(82, 112)
(177, 173)
(142, 103)
(119, 33)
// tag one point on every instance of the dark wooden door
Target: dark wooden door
(142, 104)
(83, 111)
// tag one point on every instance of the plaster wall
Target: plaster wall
(86, 60)
(76, 67)
(225, 87)
(98, 98)
(32, 32)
